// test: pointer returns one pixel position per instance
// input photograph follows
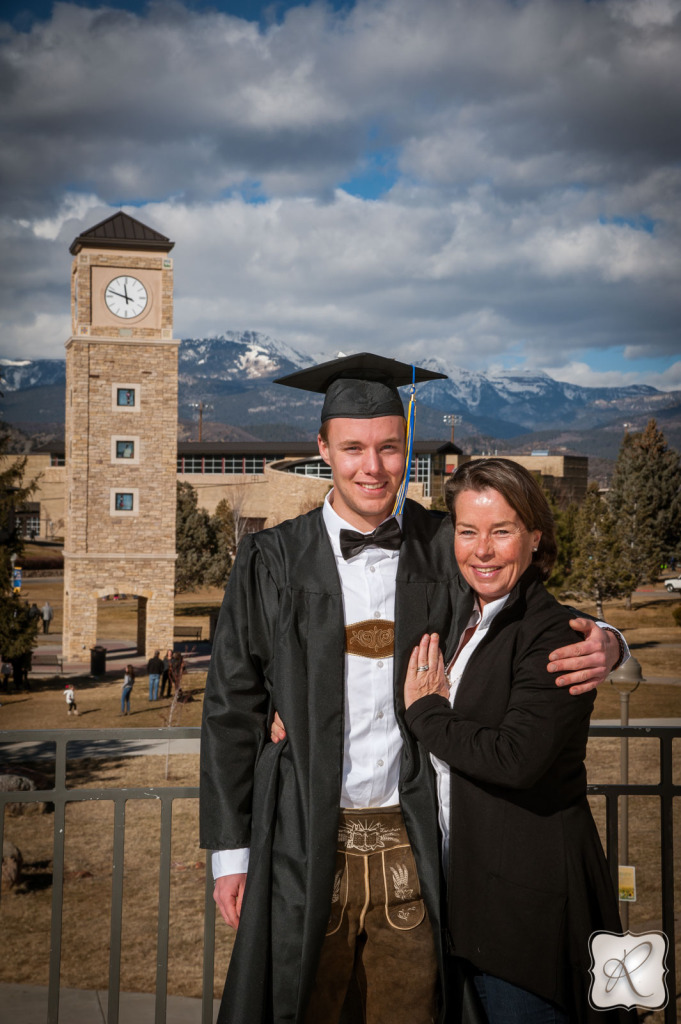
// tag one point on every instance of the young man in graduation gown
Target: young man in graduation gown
(330, 838)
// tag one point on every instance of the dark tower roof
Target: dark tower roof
(121, 231)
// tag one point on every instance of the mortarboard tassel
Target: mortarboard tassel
(402, 493)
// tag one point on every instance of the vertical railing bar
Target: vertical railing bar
(57, 880)
(612, 838)
(208, 946)
(667, 866)
(116, 925)
(163, 912)
(3, 806)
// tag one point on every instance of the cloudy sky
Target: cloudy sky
(494, 182)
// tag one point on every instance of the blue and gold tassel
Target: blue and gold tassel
(402, 493)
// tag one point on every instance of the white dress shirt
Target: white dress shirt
(482, 620)
(372, 743)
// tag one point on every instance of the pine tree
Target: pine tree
(645, 499)
(564, 520)
(17, 629)
(222, 523)
(195, 541)
(598, 570)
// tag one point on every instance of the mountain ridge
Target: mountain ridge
(232, 374)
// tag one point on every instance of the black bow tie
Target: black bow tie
(387, 535)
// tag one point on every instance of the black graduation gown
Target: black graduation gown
(280, 645)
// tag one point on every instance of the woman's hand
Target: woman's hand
(421, 683)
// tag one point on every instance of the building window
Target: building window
(316, 468)
(124, 501)
(57, 460)
(420, 473)
(249, 465)
(27, 520)
(125, 449)
(125, 397)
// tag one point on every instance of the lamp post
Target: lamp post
(452, 421)
(625, 679)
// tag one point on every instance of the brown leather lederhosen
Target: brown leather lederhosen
(378, 928)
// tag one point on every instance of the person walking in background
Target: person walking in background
(70, 696)
(166, 690)
(177, 668)
(154, 670)
(47, 615)
(128, 683)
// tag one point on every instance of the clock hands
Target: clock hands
(132, 293)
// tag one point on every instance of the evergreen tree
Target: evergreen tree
(17, 629)
(564, 522)
(598, 570)
(195, 541)
(645, 499)
(222, 523)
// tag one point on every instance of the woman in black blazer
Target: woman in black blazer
(527, 880)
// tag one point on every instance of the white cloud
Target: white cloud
(74, 206)
(586, 376)
(536, 207)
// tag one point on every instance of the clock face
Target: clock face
(126, 297)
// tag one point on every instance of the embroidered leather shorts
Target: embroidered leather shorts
(375, 865)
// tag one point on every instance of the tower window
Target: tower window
(125, 396)
(125, 449)
(124, 501)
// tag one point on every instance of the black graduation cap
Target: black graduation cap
(361, 387)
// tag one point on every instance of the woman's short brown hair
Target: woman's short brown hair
(522, 492)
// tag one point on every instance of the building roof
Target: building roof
(120, 231)
(291, 448)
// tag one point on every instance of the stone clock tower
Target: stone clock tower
(121, 433)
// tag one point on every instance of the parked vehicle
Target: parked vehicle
(673, 585)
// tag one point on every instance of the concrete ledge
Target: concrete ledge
(27, 1004)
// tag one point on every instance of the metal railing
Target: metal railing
(666, 791)
(34, 746)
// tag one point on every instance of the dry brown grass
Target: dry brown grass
(99, 705)
(25, 912)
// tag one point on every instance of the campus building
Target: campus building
(269, 481)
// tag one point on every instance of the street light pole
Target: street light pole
(452, 421)
(625, 679)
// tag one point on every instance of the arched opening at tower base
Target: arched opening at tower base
(142, 620)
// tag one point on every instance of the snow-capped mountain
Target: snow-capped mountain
(19, 374)
(239, 356)
(232, 376)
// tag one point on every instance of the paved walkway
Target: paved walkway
(119, 653)
(27, 1004)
